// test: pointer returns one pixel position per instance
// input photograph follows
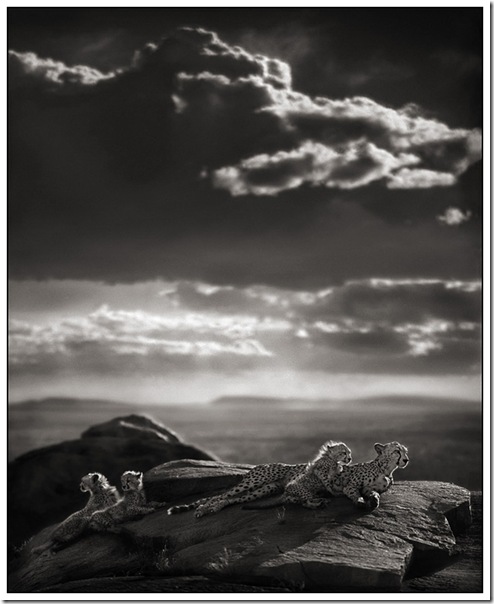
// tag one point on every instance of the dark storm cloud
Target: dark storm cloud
(400, 301)
(112, 172)
(355, 137)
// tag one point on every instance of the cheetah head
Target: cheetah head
(336, 451)
(393, 451)
(132, 481)
(93, 481)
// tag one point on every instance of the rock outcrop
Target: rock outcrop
(43, 484)
(339, 547)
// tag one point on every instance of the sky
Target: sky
(279, 202)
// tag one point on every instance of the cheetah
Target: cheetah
(133, 504)
(363, 483)
(101, 495)
(299, 482)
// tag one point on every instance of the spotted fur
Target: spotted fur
(101, 495)
(133, 504)
(363, 483)
(299, 483)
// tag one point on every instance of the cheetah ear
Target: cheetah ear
(95, 477)
(379, 448)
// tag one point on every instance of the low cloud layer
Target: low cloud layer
(379, 326)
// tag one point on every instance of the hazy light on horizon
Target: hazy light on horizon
(283, 384)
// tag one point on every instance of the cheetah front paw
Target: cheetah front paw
(207, 508)
(201, 511)
(373, 501)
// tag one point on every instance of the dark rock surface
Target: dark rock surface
(43, 484)
(337, 548)
(141, 584)
(465, 576)
(186, 479)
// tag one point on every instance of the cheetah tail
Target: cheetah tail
(264, 505)
(178, 509)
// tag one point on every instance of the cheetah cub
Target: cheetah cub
(101, 495)
(134, 503)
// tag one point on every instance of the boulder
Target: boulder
(414, 532)
(131, 426)
(43, 484)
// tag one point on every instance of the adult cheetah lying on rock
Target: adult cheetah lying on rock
(133, 504)
(363, 483)
(299, 483)
(101, 495)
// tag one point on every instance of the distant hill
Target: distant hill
(398, 399)
(241, 400)
(65, 401)
(263, 400)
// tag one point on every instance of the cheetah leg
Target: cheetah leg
(140, 510)
(387, 483)
(353, 493)
(175, 509)
(258, 475)
(216, 504)
(99, 521)
(307, 502)
(151, 507)
(109, 525)
(306, 499)
(100, 526)
(255, 479)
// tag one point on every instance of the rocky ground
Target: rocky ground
(421, 539)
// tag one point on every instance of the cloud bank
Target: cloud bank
(378, 325)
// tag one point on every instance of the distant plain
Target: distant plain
(444, 437)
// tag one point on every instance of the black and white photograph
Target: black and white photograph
(247, 251)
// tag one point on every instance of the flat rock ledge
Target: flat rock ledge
(338, 547)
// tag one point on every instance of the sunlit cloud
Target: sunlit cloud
(454, 216)
(56, 72)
